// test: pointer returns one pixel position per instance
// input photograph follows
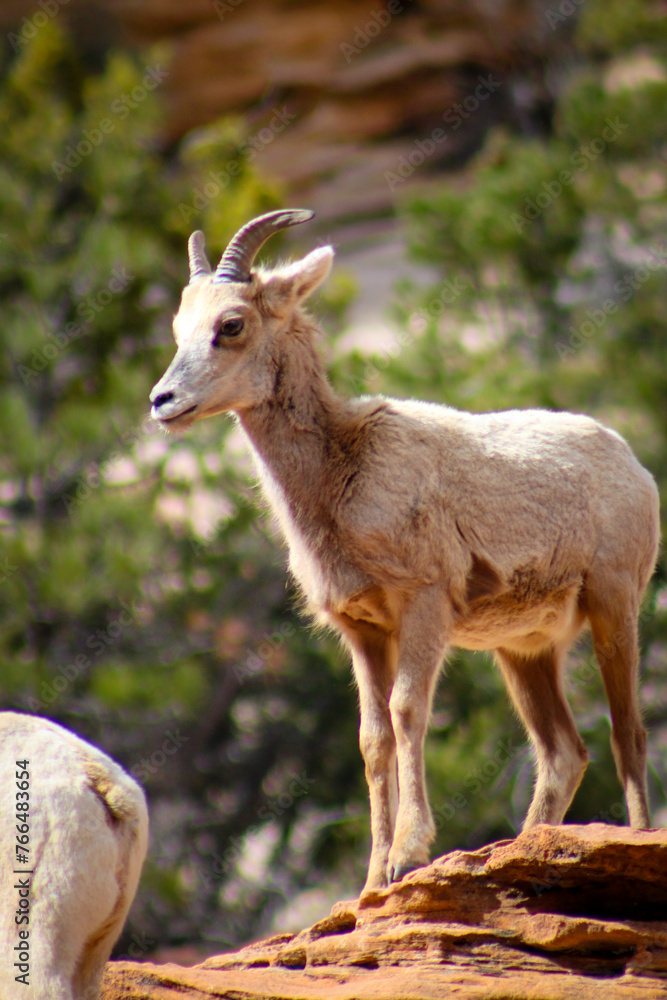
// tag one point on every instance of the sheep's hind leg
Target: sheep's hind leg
(614, 627)
(536, 688)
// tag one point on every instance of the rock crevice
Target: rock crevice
(558, 913)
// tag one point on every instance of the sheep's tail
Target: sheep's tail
(124, 803)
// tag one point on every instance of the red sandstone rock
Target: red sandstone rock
(560, 913)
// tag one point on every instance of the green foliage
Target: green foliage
(608, 26)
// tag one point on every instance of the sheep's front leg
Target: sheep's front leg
(374, 661)
(421, 649)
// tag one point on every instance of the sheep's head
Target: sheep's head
(227, 323)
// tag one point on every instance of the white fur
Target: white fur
(88, 837)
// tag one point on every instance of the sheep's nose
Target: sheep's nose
(164, 397)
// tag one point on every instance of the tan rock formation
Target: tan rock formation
(559, 913)
(363, 84)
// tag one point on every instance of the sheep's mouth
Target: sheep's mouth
(178, 416)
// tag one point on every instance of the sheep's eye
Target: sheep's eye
(227, 328)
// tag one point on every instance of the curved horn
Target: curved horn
(237, 259)
(199, 265)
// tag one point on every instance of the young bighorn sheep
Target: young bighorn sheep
(413, 527)
(65, 896)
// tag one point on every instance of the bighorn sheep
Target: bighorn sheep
(413, 527)
(70, 861)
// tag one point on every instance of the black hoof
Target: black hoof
(395, 873)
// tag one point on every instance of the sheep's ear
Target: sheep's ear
(291, 284)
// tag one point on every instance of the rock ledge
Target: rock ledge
(559, 913)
